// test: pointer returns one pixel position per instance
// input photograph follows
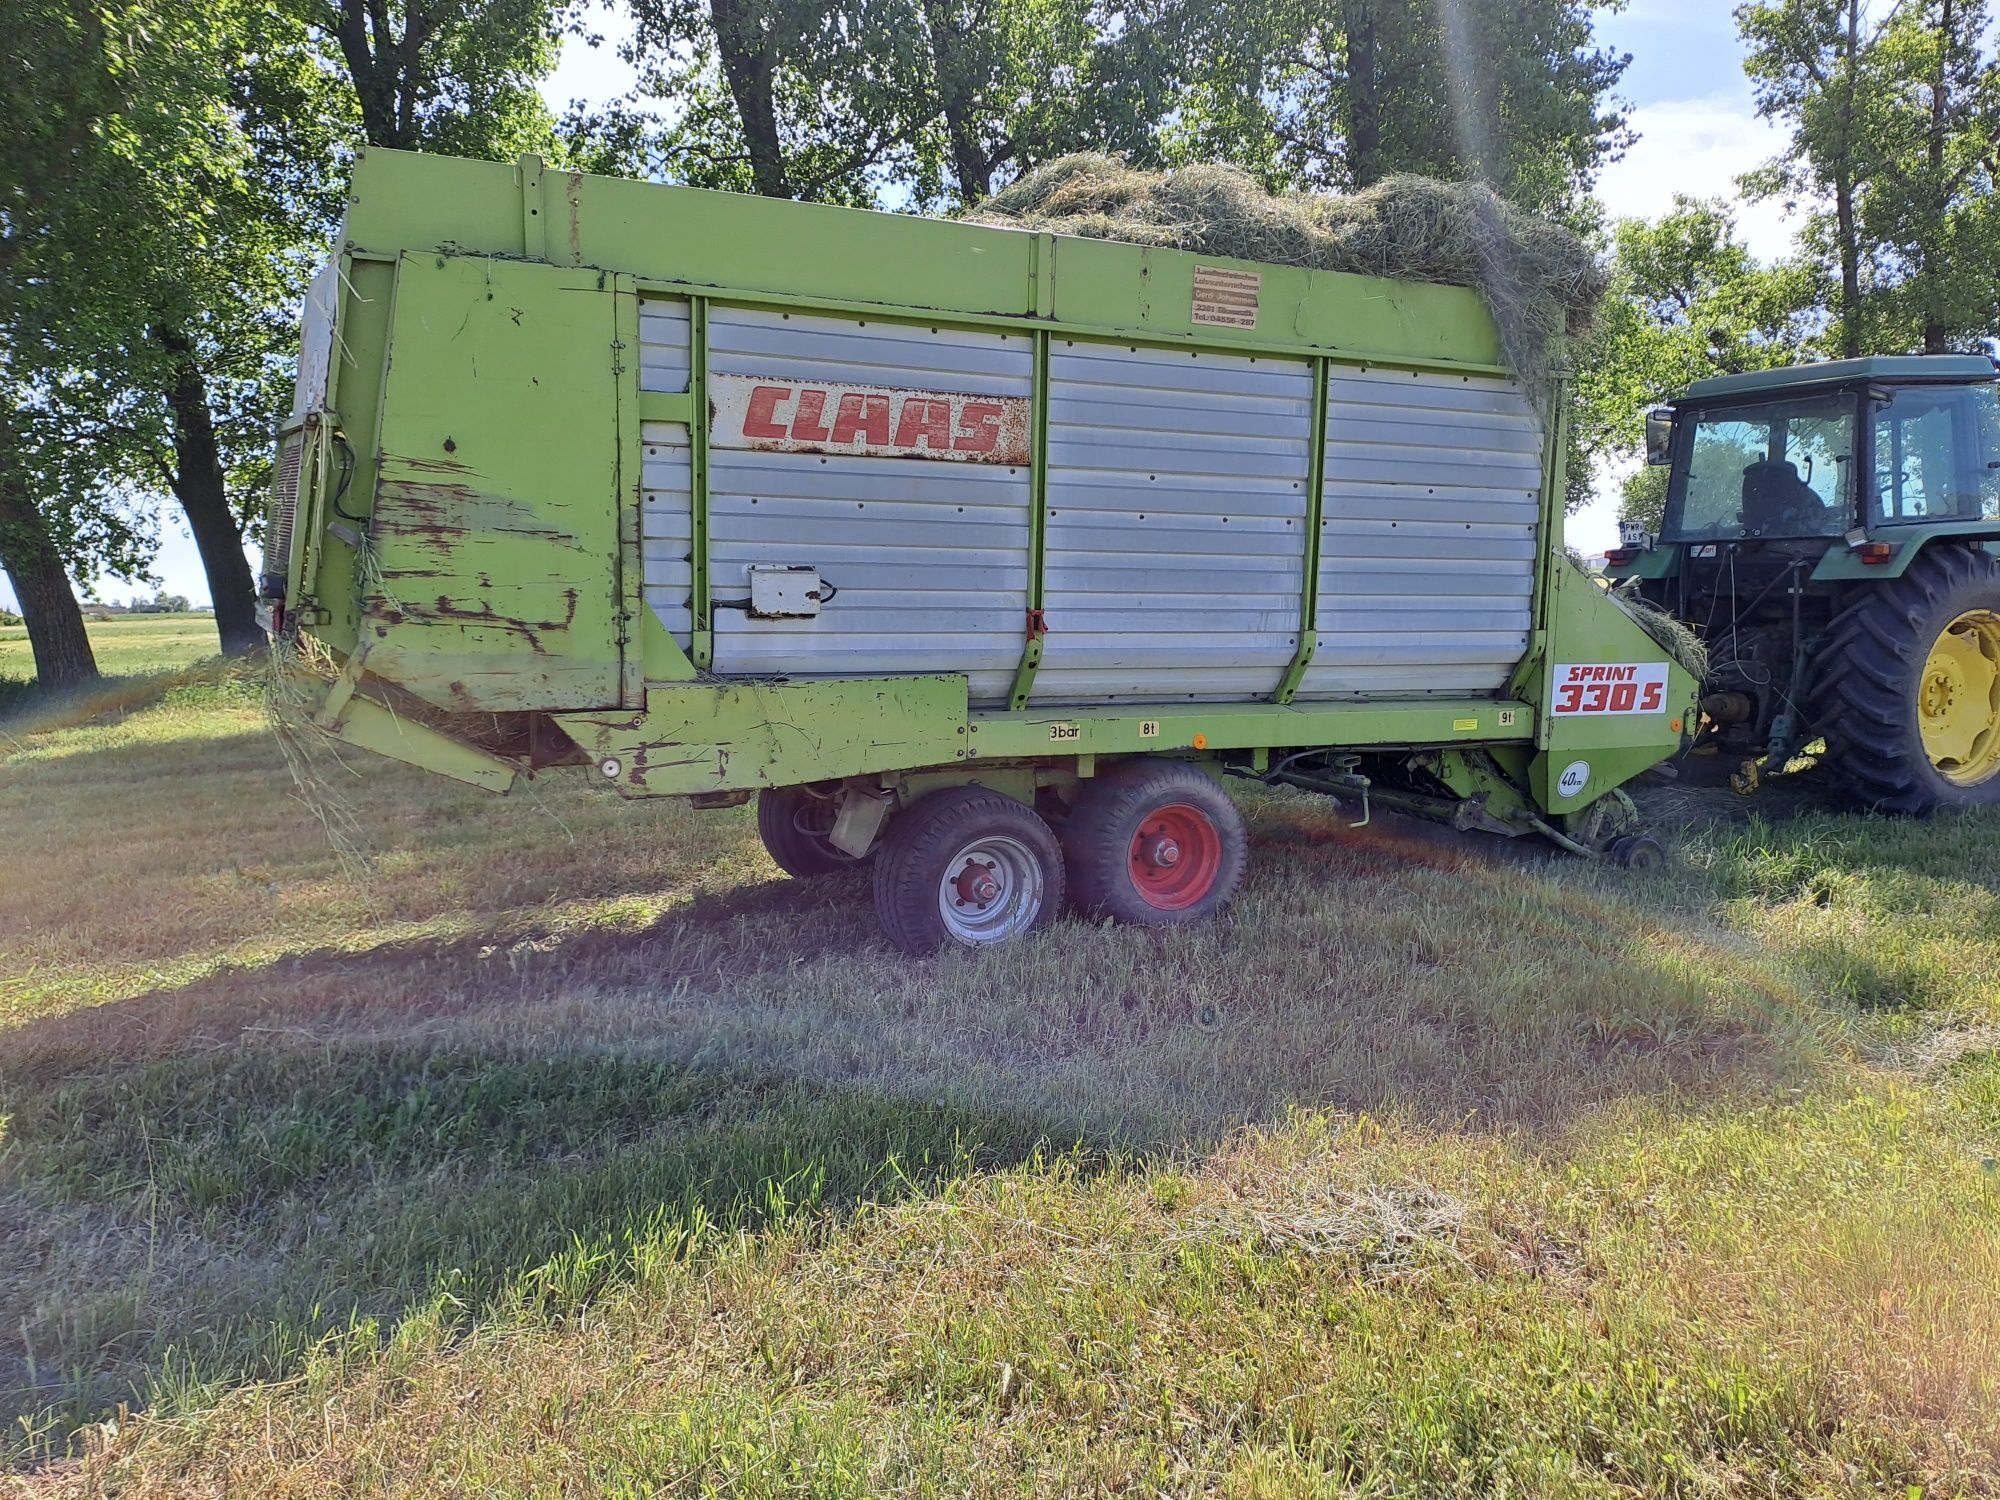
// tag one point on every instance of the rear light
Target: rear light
(1617, 557)
(1874, 552)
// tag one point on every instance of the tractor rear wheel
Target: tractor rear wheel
(1907, 686)
(795, 826)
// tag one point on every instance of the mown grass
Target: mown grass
(567, 1148)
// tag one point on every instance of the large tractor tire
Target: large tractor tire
(1907, 686)
(1155, 843)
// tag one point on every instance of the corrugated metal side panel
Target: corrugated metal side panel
(663, 344)
(1427, 536)
(930, 559)
(666, 509)
(1176, 523)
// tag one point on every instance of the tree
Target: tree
(1929, 217)
(1892, 118)
(1687, 300)
(1336, 96)
(92, 95)
(928, 101)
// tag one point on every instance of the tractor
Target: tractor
(1830, 534)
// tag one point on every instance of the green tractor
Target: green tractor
(1830, 534)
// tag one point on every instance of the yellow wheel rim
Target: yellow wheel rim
(1958, 699)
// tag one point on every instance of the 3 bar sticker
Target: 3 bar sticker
(1611, 688)
(872, 421)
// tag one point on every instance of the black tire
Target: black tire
(950, 836)
(1640, 853)
(1102, 844)
(1869, 674)
(801, 852)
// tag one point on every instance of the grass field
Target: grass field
(565, 1147)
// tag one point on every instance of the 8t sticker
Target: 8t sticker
(1611, 688)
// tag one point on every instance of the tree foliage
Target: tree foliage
(1687, 300)
(1893, 118)
(1336, 96)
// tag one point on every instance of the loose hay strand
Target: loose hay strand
(1540, 281)
(309, 749)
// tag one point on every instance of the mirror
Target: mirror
(1659, 434)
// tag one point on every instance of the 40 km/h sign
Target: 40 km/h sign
(871, 421)
(1610, 688)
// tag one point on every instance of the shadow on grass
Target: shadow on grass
(217, 1175)
(222, 1213)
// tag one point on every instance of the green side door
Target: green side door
(494, 583)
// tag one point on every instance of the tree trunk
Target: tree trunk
(969, 163)
(1936, 335)
(746, 65)
(203, 492)
(374, 84)
(1843, 196)
(63, 658)
(1364, 132)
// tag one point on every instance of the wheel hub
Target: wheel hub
(1175, 857)
(1958, 699)
(992, 888)
(977, 885)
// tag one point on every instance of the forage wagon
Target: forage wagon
(981, 553)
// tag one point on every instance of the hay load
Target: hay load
(1541, 282)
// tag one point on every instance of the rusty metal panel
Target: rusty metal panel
(1427, 536)
(495, 526)
(928, 560)
(1176, 523)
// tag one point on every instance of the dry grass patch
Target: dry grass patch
(565, 1147)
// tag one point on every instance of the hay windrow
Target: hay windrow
(1541, 282)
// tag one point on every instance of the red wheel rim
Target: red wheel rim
(1175, 856)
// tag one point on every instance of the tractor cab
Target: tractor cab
(1803, 503)
(1850, 460)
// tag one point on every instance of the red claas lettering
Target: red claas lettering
(861, 418)
(924, 422)
(761, 420)
(805, 426)
(978, 428)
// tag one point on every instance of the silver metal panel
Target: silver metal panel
(663, 345)
(666, 526)
(666, 509)
(1176, 523)
(929, 560)
(1427, 538)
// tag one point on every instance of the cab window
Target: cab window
(1772, 469)
(1937, 453)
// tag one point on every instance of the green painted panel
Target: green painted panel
(496, 520)
(712, 737)
(749, 248)
(1612, 744)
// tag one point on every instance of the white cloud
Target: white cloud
(1700, 146)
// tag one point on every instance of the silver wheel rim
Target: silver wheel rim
(991, 890)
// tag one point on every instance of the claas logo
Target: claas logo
(867, 421)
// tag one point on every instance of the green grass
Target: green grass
(125, 645)
(567, 1148)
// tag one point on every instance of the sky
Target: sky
(1689, 101)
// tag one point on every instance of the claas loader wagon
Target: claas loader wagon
(981, 554)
